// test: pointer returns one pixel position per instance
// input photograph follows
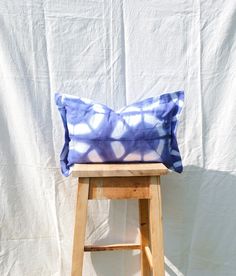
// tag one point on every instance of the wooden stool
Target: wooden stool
(122, 181)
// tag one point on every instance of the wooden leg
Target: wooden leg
(156, 232)
(80, 226)
(144, 235)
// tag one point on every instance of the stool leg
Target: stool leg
(144, 235)
(80, 226)
(156, 231)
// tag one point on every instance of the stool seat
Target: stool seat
(127, 169)
(122, 181)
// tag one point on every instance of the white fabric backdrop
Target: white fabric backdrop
(116, 52)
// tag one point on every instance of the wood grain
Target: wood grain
(80, 226)
(156, 232)
(119, 187)
(109, 170)
(111, 247)
(144, 235)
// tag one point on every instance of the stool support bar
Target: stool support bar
(119, 246)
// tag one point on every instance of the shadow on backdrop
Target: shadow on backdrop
(197, 206)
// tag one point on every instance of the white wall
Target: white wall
(116, 52)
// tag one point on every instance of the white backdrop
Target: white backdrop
(116, 52)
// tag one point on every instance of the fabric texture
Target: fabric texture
(116, 53)
(144, 131)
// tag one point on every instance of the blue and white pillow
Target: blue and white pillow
(144, 131)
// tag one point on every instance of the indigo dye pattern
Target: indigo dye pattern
(144, 131)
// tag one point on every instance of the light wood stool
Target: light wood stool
(122, 181)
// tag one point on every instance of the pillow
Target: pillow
(144, 131)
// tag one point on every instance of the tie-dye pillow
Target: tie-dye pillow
(144, 131)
